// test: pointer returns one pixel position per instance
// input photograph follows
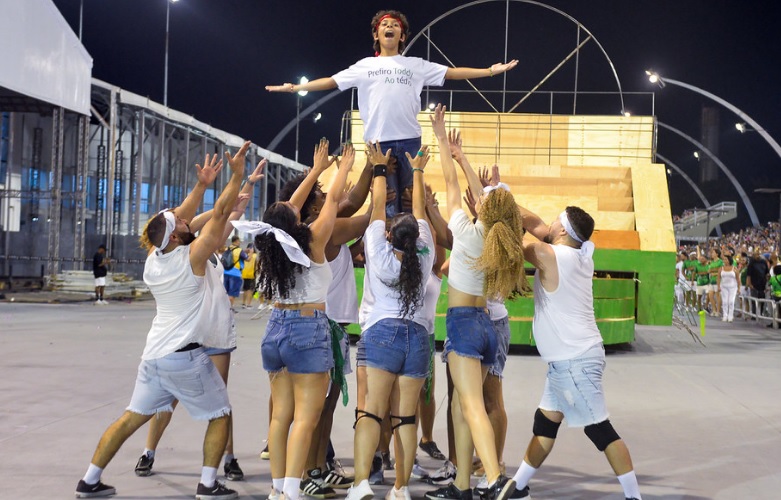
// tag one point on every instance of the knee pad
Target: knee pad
(601, 434)
(359, 414)
(410, 420)
(543, 426)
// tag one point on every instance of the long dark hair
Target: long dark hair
(404, 233)
(276, 273)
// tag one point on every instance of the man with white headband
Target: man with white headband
(568, 340)
(174, 364)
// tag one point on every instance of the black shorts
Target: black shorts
(249, 284)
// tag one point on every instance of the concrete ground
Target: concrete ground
(701, 422)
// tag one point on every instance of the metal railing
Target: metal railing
(760, 309)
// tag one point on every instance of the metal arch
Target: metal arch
(532, 2)
(694, 186)
(292, 123)
(749, 207)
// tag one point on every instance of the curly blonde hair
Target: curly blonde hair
(502, 259)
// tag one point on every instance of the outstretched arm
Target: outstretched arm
(323, 226)
(321, 163)
(211, 238)
(313, 86)
(448, 168)
(534, 224)
(443, 234)
(418, 189)
(469, 73)
(472, 179)
(379, 163)
(357, 196)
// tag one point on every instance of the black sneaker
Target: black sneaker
(502, 488)
(144, 465)
(336, 478)
(449, 492)
(481, 490)
(386, 461)
(314, 486)
(232, 471)
(432, 450)
(216, 492)
(376, 474)
(84, 490)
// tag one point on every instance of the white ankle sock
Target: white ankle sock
(291, 488)
(629, 483)
(278, 484)
(149, 453)
(523, 475)
(208, 476)
(93, 474)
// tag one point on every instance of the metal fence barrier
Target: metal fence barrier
(759, 309)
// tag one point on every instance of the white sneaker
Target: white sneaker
(419, 472)
(104, 302)
(400, 494)
(276, 495)
(361, 492)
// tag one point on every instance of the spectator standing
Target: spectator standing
(100, 264)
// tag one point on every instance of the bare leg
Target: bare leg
(223, 362)
(494, 406)
(379, 384)
(309, 398)
(468, 375)
(404, 401)
(281, 418)
(157, 427)
(451, 436)
(618, 456)
(540, 447)
(427, 413)
(322, 434)
(116, 434)
(214, 441)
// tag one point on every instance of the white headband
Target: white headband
(289, 245)
(586, 247)
(170, 225)
(502, 185)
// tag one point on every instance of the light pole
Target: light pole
(654, 77)
(165, 74)
(299, 95)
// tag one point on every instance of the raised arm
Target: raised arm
(212, 166)
(534, 224)
(357, 196)
(379, 163)
(418, 189)
(438, 223)
(323, 226)
(320, 164)
(313, 86)
(211, 238)
(469, 73)
(472, 179)
(448, 168)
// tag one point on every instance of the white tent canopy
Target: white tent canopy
(41, 57)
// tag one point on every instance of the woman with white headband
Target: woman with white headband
(486, 261)
(297, 348)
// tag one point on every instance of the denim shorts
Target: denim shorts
(302, 344)
(574, 388)
(502, 330)
(396, 346)
(188, 376)
(470, 333)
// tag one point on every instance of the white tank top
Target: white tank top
(496, 309)
(564, 325)
(179, 295)
(311, 285)
(341, 304)
(217, 321)
(428, 310)
(728, 279)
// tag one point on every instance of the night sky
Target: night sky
(223, 52)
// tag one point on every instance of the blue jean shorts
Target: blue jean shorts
(302, 344)
(397, 346)
(188, 376)
(232, 284)
(216, 351)
(470, 334)
(502, 330)
(574, 388)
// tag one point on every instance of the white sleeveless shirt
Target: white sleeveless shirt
(428, 310)
(564, 325)
(341, 304)
(728, 279)
(179, 296)
(217, 320)
(311, 285)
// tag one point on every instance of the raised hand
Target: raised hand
(211, 167)
(454, 143)
(495, 178)
(438, 122)
(499, 68)
(257, 174)
(471, 202)
(321, 160)
(348, 157)
(421, 158)
(238, 162)
(375, 155)
(485, 177)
